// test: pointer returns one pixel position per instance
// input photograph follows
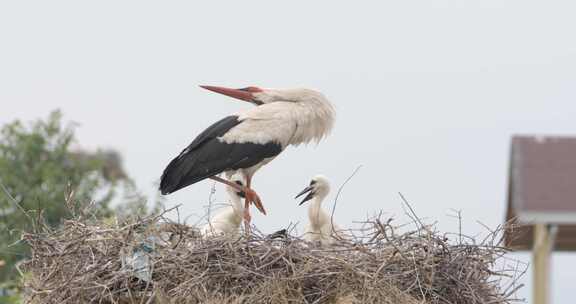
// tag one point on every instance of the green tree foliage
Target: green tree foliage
(38, 168)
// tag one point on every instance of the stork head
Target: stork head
(260, 96)
(318, 187)
(238, 179)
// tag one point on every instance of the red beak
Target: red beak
(235, 93)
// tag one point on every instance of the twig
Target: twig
(414, 216)
(13, 200)
(338, 193)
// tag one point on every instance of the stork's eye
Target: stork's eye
(312, 183)
(239, 183)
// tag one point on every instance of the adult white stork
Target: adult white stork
(249, 139)
(320, 226)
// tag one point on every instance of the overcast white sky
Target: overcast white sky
(427, 93)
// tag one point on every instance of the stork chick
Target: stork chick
(228, 219)
(320, 227)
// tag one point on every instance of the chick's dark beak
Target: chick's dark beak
(308, 197)
(241, 194)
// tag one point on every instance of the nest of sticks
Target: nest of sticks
(87, 261)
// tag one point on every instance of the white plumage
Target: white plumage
(228, 219)
(286, 117)
(320, 227)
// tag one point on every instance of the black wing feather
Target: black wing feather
(207, 156)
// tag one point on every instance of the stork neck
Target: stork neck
(315, 209)
(314, 118)
(236, 203)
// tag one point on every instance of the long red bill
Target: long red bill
(235, 93)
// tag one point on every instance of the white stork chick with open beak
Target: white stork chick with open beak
(228, 219)
(320, 227)
(249, 139)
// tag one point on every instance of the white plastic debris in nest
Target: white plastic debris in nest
(138, 262)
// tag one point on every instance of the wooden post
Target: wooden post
(543, 243)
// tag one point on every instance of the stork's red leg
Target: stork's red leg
(228, 183)
(247, 217)
(251, 197)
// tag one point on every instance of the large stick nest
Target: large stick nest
(86, 261)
